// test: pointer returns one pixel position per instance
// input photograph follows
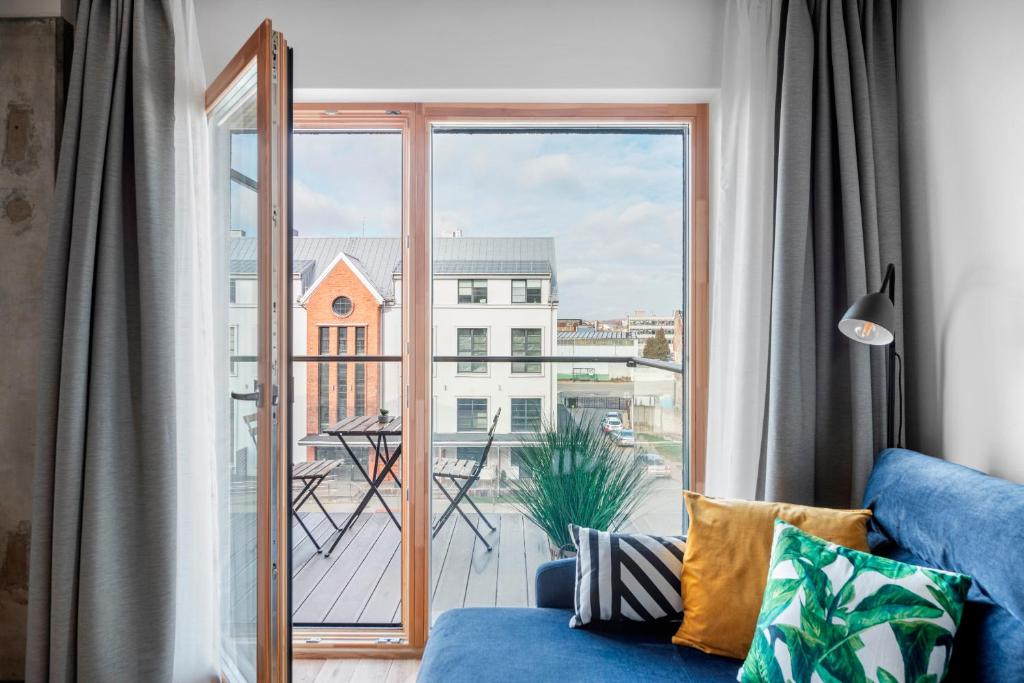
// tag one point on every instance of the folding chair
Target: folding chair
(463, 474)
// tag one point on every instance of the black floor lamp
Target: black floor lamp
(872, 320)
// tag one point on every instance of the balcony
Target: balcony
(360, 582)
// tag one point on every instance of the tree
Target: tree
(657, 347)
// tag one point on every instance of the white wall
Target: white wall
(962, 80)
(480, 44)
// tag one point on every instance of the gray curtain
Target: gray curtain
(101, 596)
(837, 225)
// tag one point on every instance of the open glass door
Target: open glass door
(248, 109)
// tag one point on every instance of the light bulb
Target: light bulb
(866, 331)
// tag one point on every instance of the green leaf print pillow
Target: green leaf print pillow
(838, 615)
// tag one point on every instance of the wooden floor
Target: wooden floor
(361, 582)
(355, 670)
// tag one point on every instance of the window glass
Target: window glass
(472, 291)
(472, 414)
(472, 341)
(526, 342)
(341, 387)
(526, 291)
(526, 415)
(342, 306)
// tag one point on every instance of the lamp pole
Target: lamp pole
(889, 286)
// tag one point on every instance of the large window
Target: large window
(526, 414)
(472, 341)
(472, 414)
(472, 291)
(526, 291)
(526, 342)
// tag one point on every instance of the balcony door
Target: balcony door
(248, 109)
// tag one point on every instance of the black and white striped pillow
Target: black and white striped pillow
(631, 577)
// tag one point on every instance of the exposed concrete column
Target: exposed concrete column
(32, 65)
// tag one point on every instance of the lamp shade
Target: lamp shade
(870, 320)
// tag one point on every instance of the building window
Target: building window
(360, 341)
(472, 341)
(360, 407)
(232, 286)
(323, 378)
(233, 348)
(472, 291)
(341, 388)
(342, 307)
(471, 414)
(526, 414)
(526, 291)
(526, 342)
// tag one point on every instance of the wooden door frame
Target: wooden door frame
(269, 51)
(416, 120)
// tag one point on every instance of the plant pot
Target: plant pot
(563, 553)
(383, 418)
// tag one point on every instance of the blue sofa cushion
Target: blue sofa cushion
(937, 514)
(509, 645)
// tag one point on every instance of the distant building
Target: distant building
(583, 342)
(569, 324)
(644, 325)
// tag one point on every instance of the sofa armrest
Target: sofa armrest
(556, 584)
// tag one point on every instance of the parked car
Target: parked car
(613, 413)
(625, 437)
(611, 424)
(656, 465)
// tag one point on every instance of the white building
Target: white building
(492, 297)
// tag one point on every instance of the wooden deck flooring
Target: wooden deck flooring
(361, 582)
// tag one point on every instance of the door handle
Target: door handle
(255, 395)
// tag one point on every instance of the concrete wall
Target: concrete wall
(474, 44)
(961, 67)
(31, 107)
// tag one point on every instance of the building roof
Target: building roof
(380, 258)
(375, 257)
(590, 333)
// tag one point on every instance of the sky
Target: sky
(612, 202)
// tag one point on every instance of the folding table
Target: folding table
(376, 430)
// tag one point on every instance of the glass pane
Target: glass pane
(553, 239)
(234, 184)
(346, 544)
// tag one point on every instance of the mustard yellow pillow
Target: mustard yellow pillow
(725, 568)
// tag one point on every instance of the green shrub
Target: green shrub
(576, 476)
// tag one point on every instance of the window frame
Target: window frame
(415, 120)
(526, 290)
(512, 414)
(472, 368)
(486, 414)
(474, 296)
(521, 368)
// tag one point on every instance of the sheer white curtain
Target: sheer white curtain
(201, 434)
(742, 249)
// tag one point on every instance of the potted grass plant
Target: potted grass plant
(575, 475)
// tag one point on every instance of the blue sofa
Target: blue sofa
(927, 511)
